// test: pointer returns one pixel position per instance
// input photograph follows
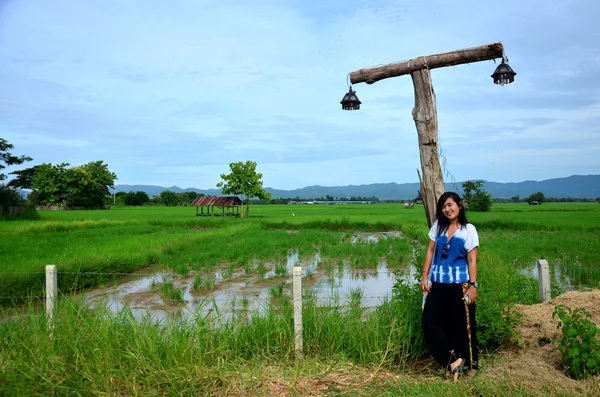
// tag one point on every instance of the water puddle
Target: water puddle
(225, 291)
(375, 285)
(373, 237)
(561, 279)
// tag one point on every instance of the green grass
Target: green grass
(92, 352)
(126, 239)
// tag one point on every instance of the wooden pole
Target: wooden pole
(297, 292)
(468, 55)
(424, 112)
(51, 294)
(425, 116)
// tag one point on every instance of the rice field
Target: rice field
(123, 354)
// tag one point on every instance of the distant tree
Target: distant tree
(136, 198)
(7, 159)
(98, 179)
(87, 185)
(169, 198)
(186, 198)
(538, 196)
(119, 198)
(8, 195)
(245, 181)
(418, 198)
(23, 178)
(478, 199)
(191, 196)
(516, 198)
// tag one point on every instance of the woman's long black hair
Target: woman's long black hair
(443, 222)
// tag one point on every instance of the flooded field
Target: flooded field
(224, 291)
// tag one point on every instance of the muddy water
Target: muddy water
(559, 277)
(238, 291)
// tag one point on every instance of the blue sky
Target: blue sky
(170, 92)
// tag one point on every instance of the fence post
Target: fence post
(544, 279)
(297, 286)
(51, 293)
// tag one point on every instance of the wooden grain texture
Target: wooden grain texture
(458, 57)
(425, 116)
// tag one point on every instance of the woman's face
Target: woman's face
(451, 209)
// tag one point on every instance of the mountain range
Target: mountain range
(576, 186)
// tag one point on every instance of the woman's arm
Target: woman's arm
(472, 259)
(427, 266)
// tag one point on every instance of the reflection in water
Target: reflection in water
(243, 292)
(563, 280)
(375, 284)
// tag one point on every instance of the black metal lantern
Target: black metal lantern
(503, 74)
(350, 101)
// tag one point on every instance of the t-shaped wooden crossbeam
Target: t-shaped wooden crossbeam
(424, 112)
(458, 57)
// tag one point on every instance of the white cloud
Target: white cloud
(172, 93)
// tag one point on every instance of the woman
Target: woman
(450, 281)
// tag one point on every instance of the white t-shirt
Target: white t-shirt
(454, 267)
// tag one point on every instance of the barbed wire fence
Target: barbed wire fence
(352, 298)
(541, 271)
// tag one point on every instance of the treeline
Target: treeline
(541, 198)
(285, 200)
(166, 197)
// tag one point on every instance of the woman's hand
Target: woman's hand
(471, 294)
(425, 283)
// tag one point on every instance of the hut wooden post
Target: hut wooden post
(424, 112)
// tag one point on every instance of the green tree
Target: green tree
(49, 184)
(169, 198)
(23, 178)
(516, 198)
(419, 197)
(7, 159)
(8, 196)
(136, 198)
(245, 181)
(86, 185)
(186, 198)
(538, 196)
(99, 179)
(478, 199)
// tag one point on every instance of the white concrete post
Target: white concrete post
(544, 279)
(51, 293)
(297, 292)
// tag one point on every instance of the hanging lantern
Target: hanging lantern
(350, 101)
(503, 74)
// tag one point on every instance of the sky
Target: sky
(171, 92)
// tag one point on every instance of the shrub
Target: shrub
(579, 342)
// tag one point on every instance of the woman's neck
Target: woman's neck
(454, 223)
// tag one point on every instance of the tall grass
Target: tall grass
(92, 350)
